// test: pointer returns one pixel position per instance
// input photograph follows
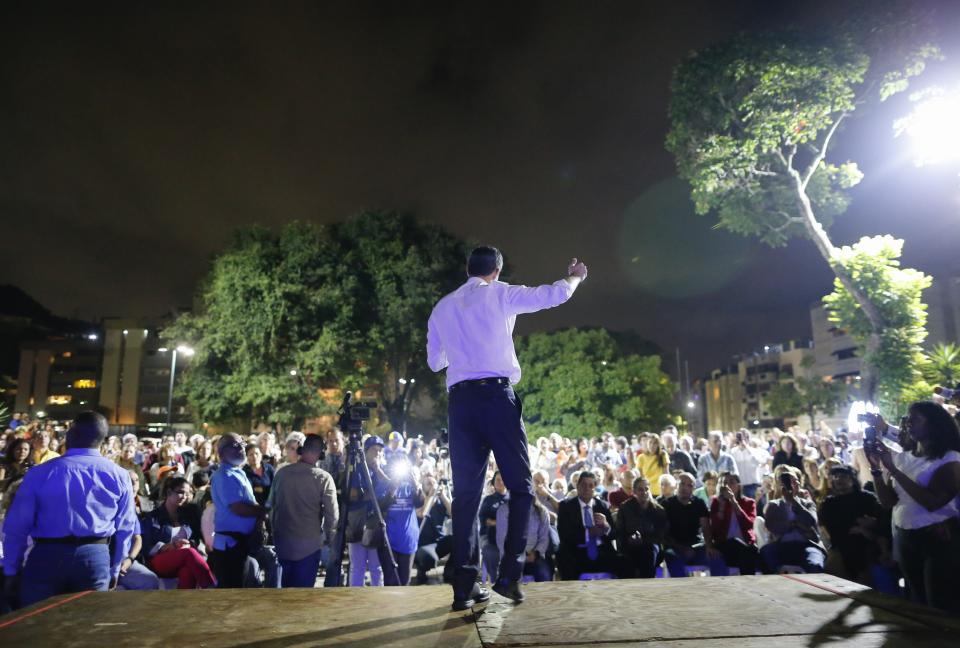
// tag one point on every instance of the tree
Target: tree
(577, 382)
(941, 365)
(270, 329)
(805, 395)
(752, 123)
(895, 351)
(285, 314)
(399, 268)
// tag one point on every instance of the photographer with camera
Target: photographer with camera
(399, 496)
(470, 335)
(922, 490)
(433, 544)
(792, 520)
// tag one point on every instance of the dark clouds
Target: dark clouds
(132, 141)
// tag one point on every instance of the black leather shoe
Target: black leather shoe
(477, 595)
(511, 591)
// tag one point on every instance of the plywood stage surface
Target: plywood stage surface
(747, 612)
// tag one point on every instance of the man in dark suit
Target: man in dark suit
(585, 525)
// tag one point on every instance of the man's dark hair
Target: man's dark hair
(587, 474)
(200, 479)
(483, 261)
(313, 443)
(88, 430)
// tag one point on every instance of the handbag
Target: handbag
(374, 533)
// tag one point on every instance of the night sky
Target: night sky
(133, 141)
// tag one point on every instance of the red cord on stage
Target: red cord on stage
(44, 609)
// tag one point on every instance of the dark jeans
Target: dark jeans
(930, 561)
(777, 554)
(300, 573)
(228, 565)
(677, 561)
(737, 553)
(485, 418)
(640, 561)
(404, 566)
(539, 569)
(53, 569)
(428, 556)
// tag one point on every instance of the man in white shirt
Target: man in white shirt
(470, 334)
(751, 463)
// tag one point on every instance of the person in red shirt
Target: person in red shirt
(731, 525)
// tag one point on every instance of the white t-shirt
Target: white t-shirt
(908, 514)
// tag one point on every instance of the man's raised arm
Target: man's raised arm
(524, 299)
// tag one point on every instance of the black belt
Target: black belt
(479, 382)
(73, 540)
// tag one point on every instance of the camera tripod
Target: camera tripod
(352, 416)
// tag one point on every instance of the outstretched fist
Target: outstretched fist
(577, 269)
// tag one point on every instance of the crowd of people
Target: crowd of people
(873, 505)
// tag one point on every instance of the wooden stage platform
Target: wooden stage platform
(747, 612)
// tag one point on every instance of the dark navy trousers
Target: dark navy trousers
(53, 569)
(485, 418)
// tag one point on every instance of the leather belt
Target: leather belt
(73, 540)
(479, 382)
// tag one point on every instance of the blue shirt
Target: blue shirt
(79, 494)
(228, 486)
(403, 531)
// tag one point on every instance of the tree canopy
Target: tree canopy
(752, 122)
(285, 314)
(579, 382)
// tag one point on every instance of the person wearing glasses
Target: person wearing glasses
(172, 537)
(236, 513)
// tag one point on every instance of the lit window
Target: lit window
(67, 354)
(84, 383)
(59, 400)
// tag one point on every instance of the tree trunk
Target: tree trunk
(869, 379)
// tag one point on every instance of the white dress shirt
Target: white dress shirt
(470, 332)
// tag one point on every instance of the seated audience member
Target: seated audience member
(433, 544)
(640, 527)
(172, 537)
(15, 463)
(708, 491)
(688, 531)
(715, 459)
(731, 525)
(488, 526)
(585, 526)
(625, 492)
(668, 488)
(751, 462)
(259, 473)
(788, 452)
(541, 490)
(849, 517)
(792, 521)
(653, 462)
(538, 539)
(680, 459)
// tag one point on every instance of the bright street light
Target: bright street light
(293, 372)
(163, 349)
(92, 337)
(933, 128)
(185, 350)
(691, 404)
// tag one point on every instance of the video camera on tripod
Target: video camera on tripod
(352, 417)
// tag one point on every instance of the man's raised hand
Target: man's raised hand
(577, 269)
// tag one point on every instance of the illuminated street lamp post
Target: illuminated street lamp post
(187, 351)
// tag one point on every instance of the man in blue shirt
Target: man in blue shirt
(235, 513)
(71, 506)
